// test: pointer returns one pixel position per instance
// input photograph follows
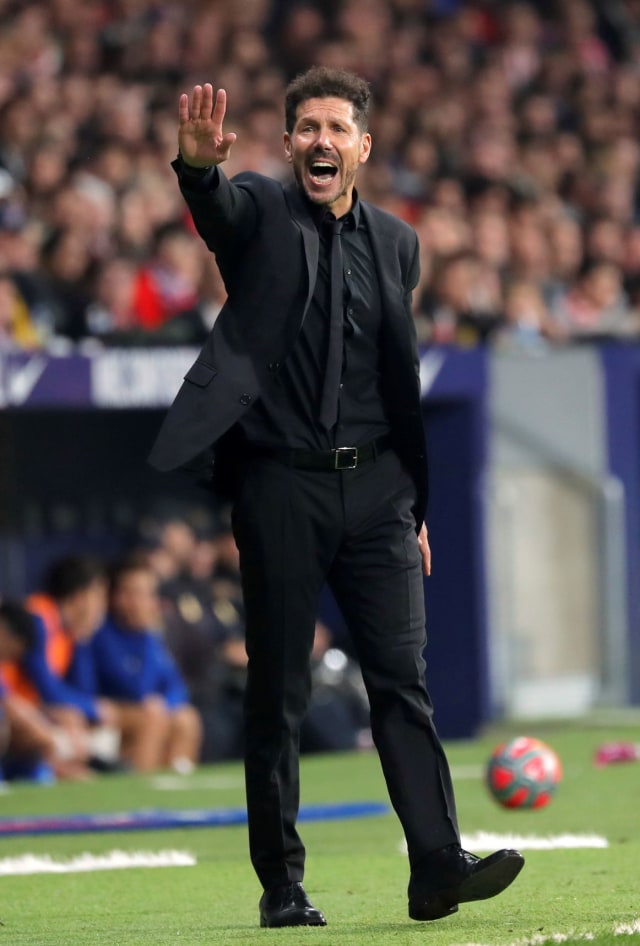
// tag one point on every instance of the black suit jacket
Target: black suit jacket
(266, 246)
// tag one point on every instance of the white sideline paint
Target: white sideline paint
(541, 939)
(197, 782)
(471, 771)
(486, 841)
(113, 860)
(627, 929)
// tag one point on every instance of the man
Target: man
(66, 614)
(27, 738)
(136, 672)
(310, 374)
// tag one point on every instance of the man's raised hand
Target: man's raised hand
(200, 138)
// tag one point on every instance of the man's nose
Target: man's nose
(324, 140)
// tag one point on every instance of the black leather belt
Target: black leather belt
(342, 458)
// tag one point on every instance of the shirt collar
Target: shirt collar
(319, 214)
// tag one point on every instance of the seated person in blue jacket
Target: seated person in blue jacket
(27, 737)
(135, 671)
(66, 614)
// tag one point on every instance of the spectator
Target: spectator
(135, 670)
(27, 738)
(567, 253)
(192, 326)
(17, 330)
(168, 284)
(67, 262)
(528, 325)
(466, 304)
(112, 314)
(204, 630)
(67, 615)
(596, 305)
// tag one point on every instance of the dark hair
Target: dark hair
(133, 561)
(19, 623)
(73, 573)
(321, 82)
(591, 264)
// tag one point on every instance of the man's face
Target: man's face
(326, 148)
(84, 611)
(134, 601)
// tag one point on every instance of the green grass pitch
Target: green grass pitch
(356, 872)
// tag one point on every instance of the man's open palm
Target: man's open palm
(200, 137)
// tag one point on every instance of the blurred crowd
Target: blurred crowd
(139, 663)
(505, 131)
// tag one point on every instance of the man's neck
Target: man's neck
(319, 212)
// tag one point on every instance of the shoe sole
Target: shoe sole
(483, 885)
(292, 921)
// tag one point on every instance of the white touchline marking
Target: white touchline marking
(540, 939)
(113, 860)
(184, 783)
(471, 771)
(627, 929)
(486, 841)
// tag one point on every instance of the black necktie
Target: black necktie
(333, 370)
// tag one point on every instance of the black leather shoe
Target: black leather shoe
(288, 905)
(452, 876)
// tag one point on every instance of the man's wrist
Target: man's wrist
(200, 180)
(191, 170)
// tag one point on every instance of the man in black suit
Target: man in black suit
(308, 392)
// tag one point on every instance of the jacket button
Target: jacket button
(273, 365)
(245, 399)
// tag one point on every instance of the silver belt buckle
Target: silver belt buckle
(345, 458)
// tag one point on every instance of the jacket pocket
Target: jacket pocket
(200, 373)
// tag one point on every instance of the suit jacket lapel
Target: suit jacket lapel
(387, 258)
(385, 255)
(302, 218)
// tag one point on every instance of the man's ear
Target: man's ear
(365, 148)
(287, 146)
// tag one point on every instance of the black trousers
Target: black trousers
(354, 528)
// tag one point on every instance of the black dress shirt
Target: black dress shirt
(287, 413)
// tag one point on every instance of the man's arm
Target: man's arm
(221, 211)
(51, 689)
(413, 277)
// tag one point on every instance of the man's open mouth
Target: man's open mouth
(322, 172)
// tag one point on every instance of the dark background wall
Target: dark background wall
(77, 479)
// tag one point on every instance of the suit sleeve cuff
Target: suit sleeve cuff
(195, 179)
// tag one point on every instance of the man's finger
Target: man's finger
(220, 107)
(183, 108)
(196, 101)
(206, 105)
(425, 550)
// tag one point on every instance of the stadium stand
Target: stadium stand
(506, 132)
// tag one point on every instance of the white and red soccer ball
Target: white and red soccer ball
(523, 773)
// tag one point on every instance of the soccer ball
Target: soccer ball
(523, 773)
